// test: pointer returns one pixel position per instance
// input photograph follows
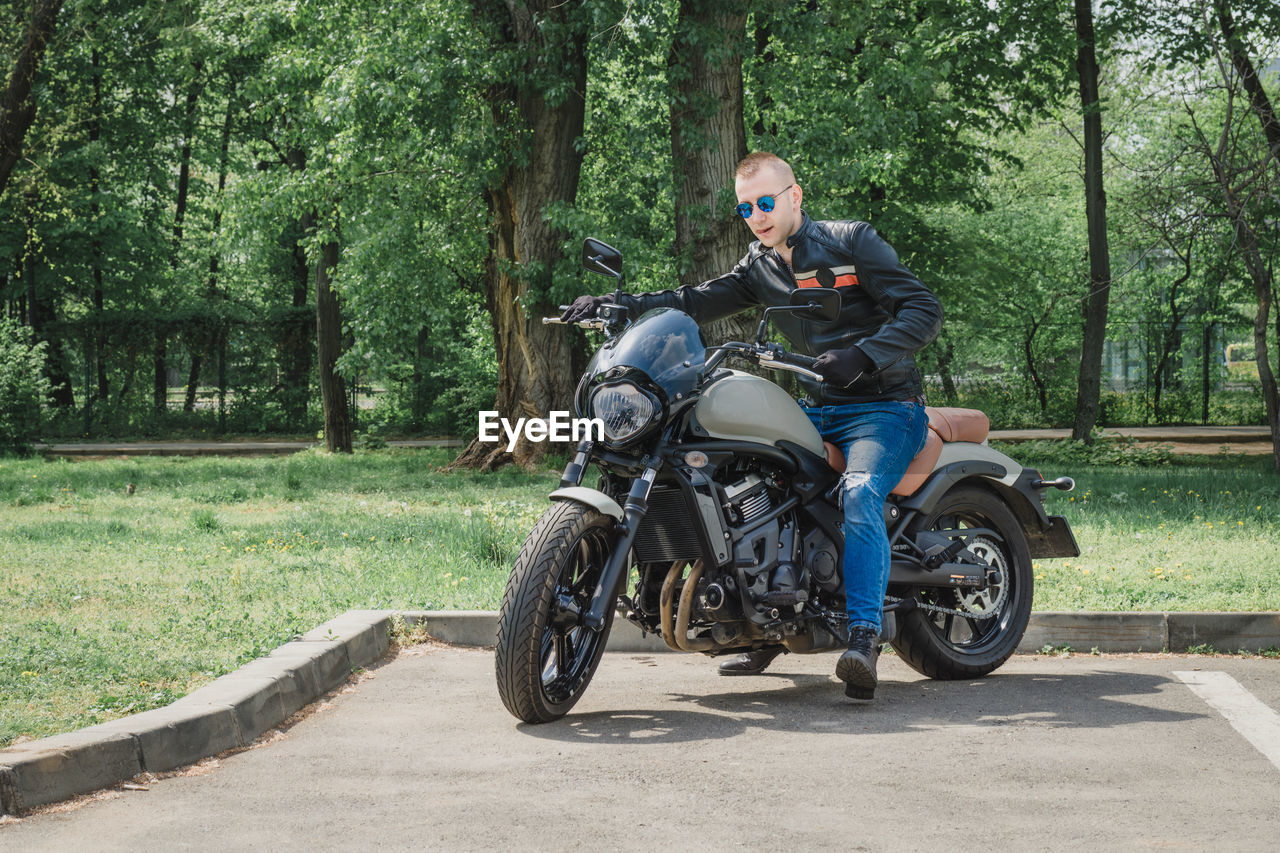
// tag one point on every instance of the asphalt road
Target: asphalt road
(1085, 752)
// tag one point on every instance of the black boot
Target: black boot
(751, 663)
(857, 667)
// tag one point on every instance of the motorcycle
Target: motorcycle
(717, 495)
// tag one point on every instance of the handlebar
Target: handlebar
(598, 324)
(771, 356)
(793, 362)
(609, 311)
(796, 358)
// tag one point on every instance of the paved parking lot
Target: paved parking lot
(1085, 752)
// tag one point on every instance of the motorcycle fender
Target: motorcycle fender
(598, 501)
(1046, 537)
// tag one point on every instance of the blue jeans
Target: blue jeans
(878, 440)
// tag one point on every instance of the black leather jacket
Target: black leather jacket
(885, 311)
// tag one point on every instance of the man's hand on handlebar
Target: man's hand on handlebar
(843, 367)
(583, 308)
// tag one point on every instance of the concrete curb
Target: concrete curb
(227, 713)
(1106, 632)
(238, 707)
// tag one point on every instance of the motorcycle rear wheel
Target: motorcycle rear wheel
(544, 661)
(946, 646)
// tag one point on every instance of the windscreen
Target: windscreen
(664, 343)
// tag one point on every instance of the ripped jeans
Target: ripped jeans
(878, 440)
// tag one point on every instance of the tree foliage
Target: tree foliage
(189, 165)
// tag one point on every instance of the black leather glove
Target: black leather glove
(841, 368)
(583, 308)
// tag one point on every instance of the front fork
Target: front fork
(615, 568)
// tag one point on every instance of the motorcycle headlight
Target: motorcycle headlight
(625, 410)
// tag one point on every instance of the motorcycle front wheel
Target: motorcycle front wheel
(990, 622)
(545, 660)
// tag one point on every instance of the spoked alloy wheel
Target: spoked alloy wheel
(545, 660)
(947, 645)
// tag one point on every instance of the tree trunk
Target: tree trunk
(1260, 274)
(159, 362)
(333, 390)
(1037, 381)
(704, 72)
(764, 128)
(96, 255)
(160, 392)
(1170, 342)
(18, 109)
(1258, 100)
(42, 314)
(533, 359)
(1089, 389)
(184, 170)
(419, 406)
(209, 333)
(1246, 236)
(296, 341)
(946, 353)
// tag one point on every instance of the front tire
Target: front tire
(544, 659)
(945, 646)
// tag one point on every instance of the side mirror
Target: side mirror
(600, 257)
(811, 303)
(817, 303)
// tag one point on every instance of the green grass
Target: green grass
(113, 603)
(1170, 538)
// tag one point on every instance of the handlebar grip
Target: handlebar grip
(798, 360)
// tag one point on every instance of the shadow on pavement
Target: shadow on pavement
(799, 703)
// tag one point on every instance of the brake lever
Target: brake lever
(597, 324)
(768, 358)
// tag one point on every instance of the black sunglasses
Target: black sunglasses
(765, 203)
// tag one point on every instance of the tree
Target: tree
(18, 110)
(1245, 166)
(708, 138)
(1247, 185)
(536, 100)
(1089, 387)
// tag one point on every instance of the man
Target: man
(870, 404)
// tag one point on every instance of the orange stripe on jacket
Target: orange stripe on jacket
(850, 280)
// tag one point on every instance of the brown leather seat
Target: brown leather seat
(945, 424)
(958, 424)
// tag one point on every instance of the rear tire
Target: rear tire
(544, 662)
(943, 646)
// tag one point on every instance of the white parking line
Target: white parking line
(1259, 724)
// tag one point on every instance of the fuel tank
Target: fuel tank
(742, 407)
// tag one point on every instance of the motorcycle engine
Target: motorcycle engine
(765, 559)
(776, 570)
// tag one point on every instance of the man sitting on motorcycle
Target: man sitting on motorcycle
(871, 403)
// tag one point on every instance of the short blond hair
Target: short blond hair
(750, 165)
